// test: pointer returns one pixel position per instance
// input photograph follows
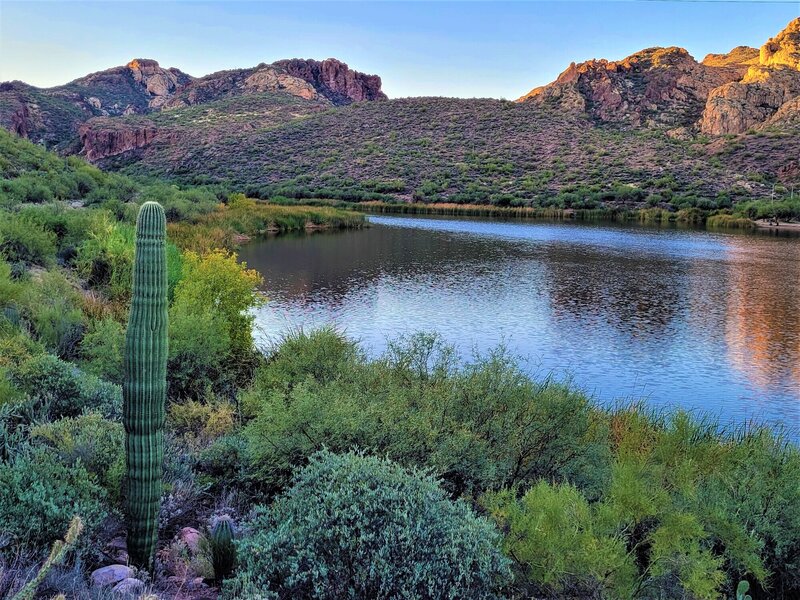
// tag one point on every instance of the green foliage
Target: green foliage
(553, 535)
(60, 389)
(105, 257)
(361, 527)
(41, 496)
(145, 384)
(101, 350)
(52, 310)
(91, 441)
(482, 425)
(211, 340)
(22, 240)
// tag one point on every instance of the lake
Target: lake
(676, 317)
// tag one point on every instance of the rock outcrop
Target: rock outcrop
(657, 86)
(159, 83)
(225, 84)
(101, 138)
(335, 80)
(767, 93)
(665, 87)
(54, 116)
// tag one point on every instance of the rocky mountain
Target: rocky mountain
(55, 116)
(667, 88)
(657, 127)
(767, 94)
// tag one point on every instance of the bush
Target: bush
(557, 544)
(101, 350)
(91, 441)
(211, 340)
(361, 527)
(481, 425)
(22, 240)
(40, 496)
(60, 389)
(51, 308)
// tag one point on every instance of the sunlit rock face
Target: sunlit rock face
(159, 83)
(767, 93)
(666, 88)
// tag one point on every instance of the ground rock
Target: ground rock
(110, 575)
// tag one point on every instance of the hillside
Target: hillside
(657, 128)
(53, 116)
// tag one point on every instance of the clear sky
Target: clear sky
(467, 49)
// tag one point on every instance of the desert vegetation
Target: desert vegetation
(312, 470)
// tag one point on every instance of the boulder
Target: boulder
(110, 575)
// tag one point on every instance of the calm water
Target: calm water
(689, 318)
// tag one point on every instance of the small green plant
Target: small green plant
(222, 547)
(56, 557)
(741, 591)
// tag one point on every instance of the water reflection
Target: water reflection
(684, 318)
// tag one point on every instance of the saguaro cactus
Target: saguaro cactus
(223, 548)
(145, 386)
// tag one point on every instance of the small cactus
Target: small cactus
(56, 557)
(741, 591)
(223, 548)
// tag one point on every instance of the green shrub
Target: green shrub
(211, 320)
(62, 390)
(481, 425)
(90, 440)
(557, 543)
(101, 350)
(52, 309)
(320, 355)
(40, 497)
(22, 240)
(362, 527)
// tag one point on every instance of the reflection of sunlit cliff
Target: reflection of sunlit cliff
(762, 326)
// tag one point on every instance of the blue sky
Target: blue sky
(466, 49)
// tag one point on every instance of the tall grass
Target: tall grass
(243, 218)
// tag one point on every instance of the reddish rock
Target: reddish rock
(657, 86)
(335, 80)
(100, 142)
(765, 95)
(191, 538)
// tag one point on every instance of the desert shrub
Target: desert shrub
(557, 543)
(22, 240)
(40, 496)
(684, 514)
(320, 355)
(202, 422)
(60, 389)
(480, 425)
(105, 258)
(101, 350)
(90, 440)
(51, 307)
(211, 340)
(360, 527)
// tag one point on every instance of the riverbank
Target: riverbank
(244, 219)
(712, 219)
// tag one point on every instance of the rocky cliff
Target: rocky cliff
(335, 80)
(667, 88)
(765, 95)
